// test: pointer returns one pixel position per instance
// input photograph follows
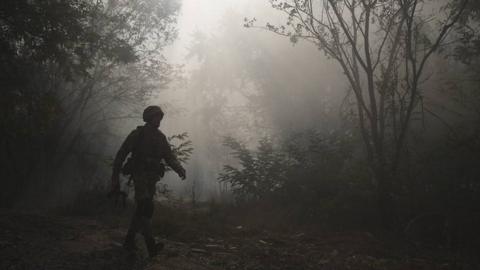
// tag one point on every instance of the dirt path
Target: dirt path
(29, 241)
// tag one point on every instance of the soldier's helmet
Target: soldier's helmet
(150, 112)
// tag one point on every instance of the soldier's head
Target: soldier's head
(152, 115)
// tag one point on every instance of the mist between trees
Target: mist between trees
(355, 113)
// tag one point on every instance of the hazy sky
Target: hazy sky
(308, 73)
(204, 15)
(300, 87)
(195, 15)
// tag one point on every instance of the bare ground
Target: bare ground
(33, 241)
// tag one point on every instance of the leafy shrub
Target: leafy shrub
(294, 167)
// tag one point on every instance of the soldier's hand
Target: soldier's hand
(182, 173)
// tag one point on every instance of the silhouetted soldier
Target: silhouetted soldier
(148, 146)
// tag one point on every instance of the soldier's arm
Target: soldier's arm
(171, 159)
(125, 149)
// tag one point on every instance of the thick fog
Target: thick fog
(214, 78)
(241, 82)
(247, 83)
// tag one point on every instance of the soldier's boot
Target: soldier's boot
(151, 247)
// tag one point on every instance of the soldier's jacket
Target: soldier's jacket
(146, 143)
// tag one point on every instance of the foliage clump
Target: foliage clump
(69, 70)
(317, 175)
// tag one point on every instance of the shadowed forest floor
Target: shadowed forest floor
(197, 240)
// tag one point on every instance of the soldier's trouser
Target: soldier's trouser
(141, 219)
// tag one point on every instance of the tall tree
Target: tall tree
(68, 67)
(383, 47)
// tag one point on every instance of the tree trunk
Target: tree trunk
(386, 205)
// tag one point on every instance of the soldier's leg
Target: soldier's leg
(134, 227)
(144, 193)
(140, 223)
(136, 222)
(146, 213)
